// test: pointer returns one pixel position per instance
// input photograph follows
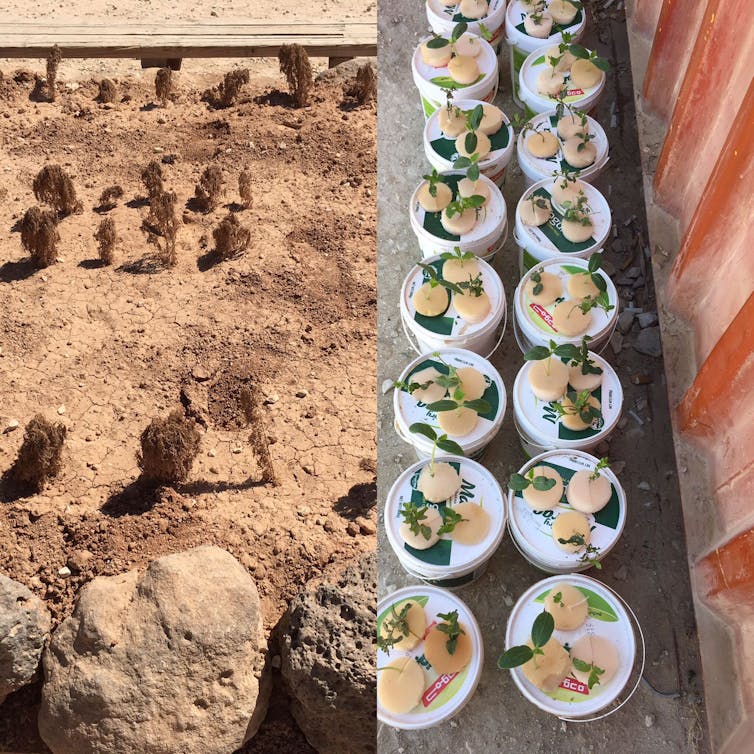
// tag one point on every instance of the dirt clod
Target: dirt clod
(231, 237)
(54, 186)
(39, 235)
(295, 66)
(168, 448)
(40, 456)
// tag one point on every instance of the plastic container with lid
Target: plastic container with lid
(485, 239)
(407, 410)
(532, 530)
(533, 323)
(447, 563)
(608, 617)
(431, 81)
(534, 102)
(444, 696)
(443, 19)
(537, 422)
(536, 168)
(540, 243)
(448, 330)
(521, 44)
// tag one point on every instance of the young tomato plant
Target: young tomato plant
(578, 212)
(541, 631)
(594, 671)
(601, 301)
(459, 206)
(580, 406)
(413, 516)
(565, 351)
(433, 179)
(582, 358)
(603, 463)
(451, 519)
(591, 552)
(395, 628)
(450, 627)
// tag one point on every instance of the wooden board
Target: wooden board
(185, 40)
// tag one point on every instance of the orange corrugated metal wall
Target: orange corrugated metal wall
(699, 80)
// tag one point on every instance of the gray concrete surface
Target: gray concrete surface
(649, 565)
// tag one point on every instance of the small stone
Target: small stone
(200, 374)
(617, 467)
(625, 321)
(65, 572)
(302, 393)
(352, 528)
(212, 453)
(622, 573)
(214, 470)
(649, 721)
(644, 486)
(274, 398)
(283, 146)
(78, 560)
(61, 410)
(647, 319)
(158, 150)
(11, 425)
(648, 342)
(237, 451)
(616, 342)
(366, 526)
(633, 272)
(308, 469)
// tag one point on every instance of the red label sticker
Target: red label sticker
(575, 92)
(437, 688)
(572, 684)
(544, 314)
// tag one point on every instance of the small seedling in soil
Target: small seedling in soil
(163, 85)
(40, 455)
(295, 66)
(451, 519)
(39, 235)
(434, 280)
(439, 441)
(168, 448)
(587, 365)
(459, 206)
(231, 238)
(395, 628)
(53, 186)
(251, 404)
(541, 631)
(227, 92)
(601, 301)
(106, 239)
(450, 627)
(518, 482)
(151, 176)
(365, 85)
(108, 199)
(595, 262)
(433, 179)
(53, 61)
(244, 188)
(566, 351)
(414, 515)
(210, 189)
(581, 406)
(107, 91)
(164, 220)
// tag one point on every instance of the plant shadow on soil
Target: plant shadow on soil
(358, 501)
(147, 265)
(92, 264)
(276, 98)
(12, 272)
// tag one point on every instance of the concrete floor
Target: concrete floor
(648, 566)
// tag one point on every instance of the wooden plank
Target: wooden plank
(222, 39)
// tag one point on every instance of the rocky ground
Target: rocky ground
(105, 349)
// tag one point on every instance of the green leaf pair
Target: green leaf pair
(541, 631)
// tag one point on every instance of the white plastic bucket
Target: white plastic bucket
(441, 151)
(429, 334)
(532, 530)
(534, 102)
(539, 243)
(444, 695)
(539, 427)
(536, 169)
(443, 18)
(521, 44)
(485, 239)
(431, 81)
(610, 618)
(447, 563)
(407, 410)
(533, 323)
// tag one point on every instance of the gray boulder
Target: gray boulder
(169, 661)
(24, 628)
(327, 660)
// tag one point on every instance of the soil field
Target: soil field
(105, 349)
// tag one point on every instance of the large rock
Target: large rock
(171, 661)
(328, 660)
(24, 628)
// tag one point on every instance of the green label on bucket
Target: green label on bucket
(491, 394)
(428, 107)
(447, 147)
(553, 229)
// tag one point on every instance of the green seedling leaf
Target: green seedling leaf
(514, 657)
(479, 405)
(603, 463)
(449, 446)
(423, 429)
(541, 630)
(437, 43)
(458, 31)
(443, 405)
(395, 627)
(543, 483)
(450, 627)
(537, 353)
(452, 519)
(578, 51)
(518, 483)
(413, 516)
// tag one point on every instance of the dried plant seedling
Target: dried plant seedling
(107, 91)
(164, 220)
(231, 237)
(108, 199)
(365, 86)
(210, 189)
(168, 448)
(251, 404)
(151, 176)
(53, 61)
(40, 455)
(39, 235)
(519, 482)
(295, 66)
(541, 631)
(227, 92)
(53, 186)
(244, 188)
(163, 85)
(450, 627)
(106, 237)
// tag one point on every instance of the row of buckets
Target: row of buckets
(449, 341)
